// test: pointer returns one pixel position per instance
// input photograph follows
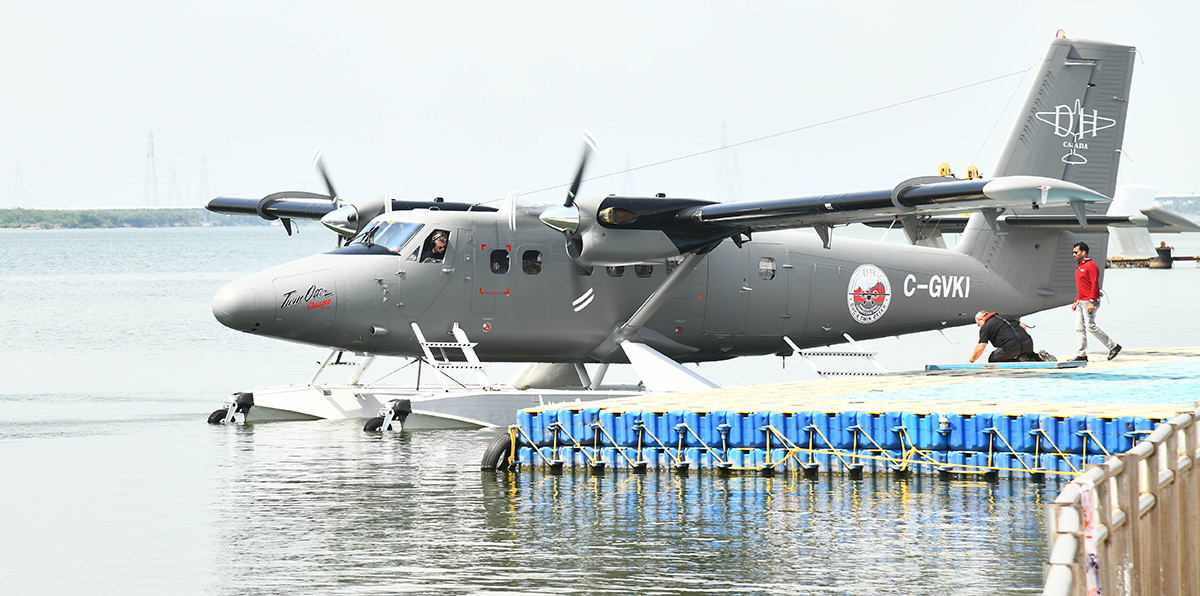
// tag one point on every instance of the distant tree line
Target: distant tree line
(46, 219)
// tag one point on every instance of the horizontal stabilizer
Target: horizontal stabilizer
(1161, 221)
(661, 374)
(1152, 219)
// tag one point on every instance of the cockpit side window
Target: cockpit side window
(435, 246)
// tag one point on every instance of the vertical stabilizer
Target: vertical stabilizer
(1073, 121)
(1071, 128)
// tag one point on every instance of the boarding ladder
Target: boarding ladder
(440, 365)
(857, 352)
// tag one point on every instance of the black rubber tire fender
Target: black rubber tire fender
(496, 456)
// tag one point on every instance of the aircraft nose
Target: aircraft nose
(236, 307)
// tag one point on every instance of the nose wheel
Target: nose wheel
(239, 403)
(389, 418)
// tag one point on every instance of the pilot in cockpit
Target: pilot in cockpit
(436, 250)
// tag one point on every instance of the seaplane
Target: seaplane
(662, 281)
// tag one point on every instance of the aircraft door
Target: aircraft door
(768, 278)
(425, 276)
(728, 294)
(827, 300)
(464, 271)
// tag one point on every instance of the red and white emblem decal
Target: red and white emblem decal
(870, 294)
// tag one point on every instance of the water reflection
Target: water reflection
(321, 507)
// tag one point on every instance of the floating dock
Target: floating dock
(989, 421)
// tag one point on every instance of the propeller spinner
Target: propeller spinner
(565, 219)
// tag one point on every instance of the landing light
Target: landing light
(616, 216)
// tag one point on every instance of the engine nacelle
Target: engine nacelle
(612, 231)
(602, 247)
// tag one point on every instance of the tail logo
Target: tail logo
(869, 294)
(1077, 125)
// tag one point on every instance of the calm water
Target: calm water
(113, 484)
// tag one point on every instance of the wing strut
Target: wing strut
(629, 330)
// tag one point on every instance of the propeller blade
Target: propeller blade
(320, 165)
(589, 147)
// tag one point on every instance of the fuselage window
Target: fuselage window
(643, 270)
(499, 261)
(766, 268)
(531, 262)
(615, 271)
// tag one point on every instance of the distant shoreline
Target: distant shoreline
(19, 218)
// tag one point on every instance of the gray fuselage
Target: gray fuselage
(512, 287)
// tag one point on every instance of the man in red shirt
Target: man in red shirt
(1087, 302)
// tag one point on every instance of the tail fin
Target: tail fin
(1071, 128)
(1073, 121)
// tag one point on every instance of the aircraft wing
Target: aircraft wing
(291, 204)
(346, 219)
(617, 230)
(917, 197)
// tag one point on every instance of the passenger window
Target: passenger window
(531, 262)
(615, 271)
(766, 268)
(499, 261)
(643, 270)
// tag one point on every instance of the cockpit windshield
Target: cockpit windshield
(390, 234)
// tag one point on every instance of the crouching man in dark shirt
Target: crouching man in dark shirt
(1012, 342)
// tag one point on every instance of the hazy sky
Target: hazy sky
(472, 100)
